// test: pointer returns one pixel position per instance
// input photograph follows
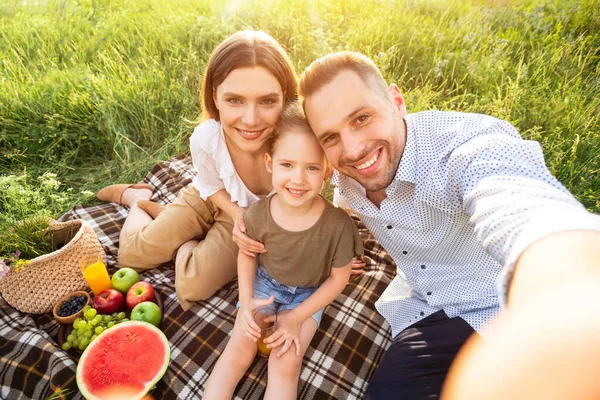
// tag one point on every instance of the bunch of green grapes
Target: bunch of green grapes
(86, 329)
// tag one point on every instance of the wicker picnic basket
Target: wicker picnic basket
(36, 288)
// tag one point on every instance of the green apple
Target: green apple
(123, 279)
(148, 312)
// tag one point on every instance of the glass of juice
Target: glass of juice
(95, 273)
(266, 319)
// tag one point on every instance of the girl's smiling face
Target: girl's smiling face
(298, 167)
(249, 101)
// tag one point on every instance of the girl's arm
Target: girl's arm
(325, 294)
(246, 272)
(288, 324)
(249, 247)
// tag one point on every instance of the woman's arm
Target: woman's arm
(222, 200)
(249, 247)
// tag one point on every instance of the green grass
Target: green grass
(96, 91)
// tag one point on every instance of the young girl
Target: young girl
(311, 245)
(248, 79)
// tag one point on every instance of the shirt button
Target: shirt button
(422, 267)
(389, 227)
(428, 293)
(405, 252)
(422, 313)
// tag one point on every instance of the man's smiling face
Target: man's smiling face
(360, 129)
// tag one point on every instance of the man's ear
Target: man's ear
(268, 162)
(397, 99)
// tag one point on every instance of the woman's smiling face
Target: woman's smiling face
(249, 101)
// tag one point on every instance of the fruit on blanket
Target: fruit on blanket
(86, 329)
(147, 311)
(124, 278)
(71, 306)
(138, 293)
(124, 362)
(108, 301)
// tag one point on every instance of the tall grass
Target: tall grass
(98, 90)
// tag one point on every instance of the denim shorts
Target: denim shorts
(286, 297)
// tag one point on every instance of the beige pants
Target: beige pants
(201, 272)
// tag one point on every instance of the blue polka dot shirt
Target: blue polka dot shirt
(468, 197)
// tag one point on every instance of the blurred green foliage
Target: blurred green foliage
(98, 90)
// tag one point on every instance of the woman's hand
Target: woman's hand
(358, 265)
(247, 307)
(247, 246)
(287, 332)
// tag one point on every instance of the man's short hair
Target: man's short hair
(324, 70)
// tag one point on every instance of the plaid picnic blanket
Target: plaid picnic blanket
(342, 357)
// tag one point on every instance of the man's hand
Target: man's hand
(287, 332)
(246, 315)
(247, 246)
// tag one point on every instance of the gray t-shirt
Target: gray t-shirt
(304, 258)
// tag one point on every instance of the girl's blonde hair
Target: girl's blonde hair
(292, 117)
(245, 49)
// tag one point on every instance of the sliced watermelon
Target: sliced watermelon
(123, 362)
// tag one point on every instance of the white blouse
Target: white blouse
(214, 168)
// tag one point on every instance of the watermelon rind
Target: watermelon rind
(98, 341)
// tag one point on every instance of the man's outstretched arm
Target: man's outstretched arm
(545, 346)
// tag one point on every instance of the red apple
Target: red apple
(138, 293)
(108, 301)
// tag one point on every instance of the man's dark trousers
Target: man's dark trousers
(416, 364)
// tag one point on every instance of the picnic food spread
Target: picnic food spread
(108, 309)
(112, 364)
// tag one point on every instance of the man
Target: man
(466, 208)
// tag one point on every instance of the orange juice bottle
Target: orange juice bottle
(95, 274)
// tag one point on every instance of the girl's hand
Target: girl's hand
(247, 246)
(247, 323)
(287, 332)
(358, 265)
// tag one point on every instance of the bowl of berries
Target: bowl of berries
(70, 306)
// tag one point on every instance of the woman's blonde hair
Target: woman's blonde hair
(244, 49)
